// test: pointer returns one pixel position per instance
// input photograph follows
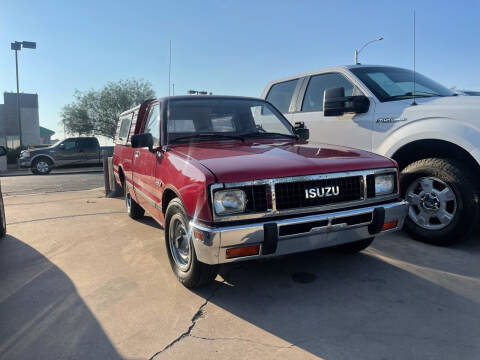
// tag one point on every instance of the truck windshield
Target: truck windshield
(389, 83)
(201, 119)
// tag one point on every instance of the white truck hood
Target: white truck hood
(461, 108)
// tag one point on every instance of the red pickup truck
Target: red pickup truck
(230, 179)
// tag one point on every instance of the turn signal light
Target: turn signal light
(390, 225)
(198, 234)
(242, 251)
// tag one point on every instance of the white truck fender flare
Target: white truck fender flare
(446, 129)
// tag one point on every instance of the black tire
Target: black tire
(461, 211)
(3, 221)
(41, 166)
(134, 210)
(194, 274)
(354, 247)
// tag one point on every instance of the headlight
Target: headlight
(384, 184)
(229, 202)
(25, 154)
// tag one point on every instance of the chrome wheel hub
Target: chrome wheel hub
(433, 203)
(42, 166)
(179, 241)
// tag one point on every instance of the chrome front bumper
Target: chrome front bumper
(329, 229)
(24, 163)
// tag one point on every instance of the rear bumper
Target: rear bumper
(292, 235)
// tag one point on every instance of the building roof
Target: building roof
(45, 131)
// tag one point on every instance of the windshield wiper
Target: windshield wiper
(409, 95)
(208, 136)
(259, 134)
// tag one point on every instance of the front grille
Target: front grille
(370, 186)
(258, 198)
(291, 195)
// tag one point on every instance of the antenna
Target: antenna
(169, 66)
(414, 71)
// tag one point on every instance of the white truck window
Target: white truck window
(280, 95)
(313, 100)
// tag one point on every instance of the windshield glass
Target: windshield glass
(224, 119)
(388, 83)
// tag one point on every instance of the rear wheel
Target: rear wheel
(134, 210)
(181, 252)
(354, 247)
(442, 201)
(41, 166)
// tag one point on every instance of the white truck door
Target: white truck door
(353, 130)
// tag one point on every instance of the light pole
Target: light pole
(363, 47)
(17, 46)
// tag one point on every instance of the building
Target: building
(46, 135)
(9, 126)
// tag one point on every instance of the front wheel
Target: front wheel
(41, 166)
(181, 252)
(442, 201)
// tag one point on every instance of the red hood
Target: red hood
(235, 161)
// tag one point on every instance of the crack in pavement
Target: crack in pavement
(198, 315)
(243, 339)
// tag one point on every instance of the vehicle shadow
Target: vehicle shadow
(148, 220)
(371, 305)
(42, 315)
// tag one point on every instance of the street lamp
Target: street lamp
(17, 46)
(363, 47)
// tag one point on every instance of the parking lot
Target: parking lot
(80, 279)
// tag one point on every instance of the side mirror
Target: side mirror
(142, 141)
(335, 103)
(3, 151)
(61, 146)
(301, 131)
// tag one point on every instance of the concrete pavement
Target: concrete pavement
(81, 280)
(56, 171)
(41, 184)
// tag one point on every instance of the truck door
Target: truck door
(353, 130)
(67, 152)
(147, 191)
(90, 150)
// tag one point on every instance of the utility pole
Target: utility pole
(19, 117)
(17, 46)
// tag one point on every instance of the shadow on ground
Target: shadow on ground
(398, 300)
(40, 309)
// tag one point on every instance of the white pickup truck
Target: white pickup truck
(433, 134)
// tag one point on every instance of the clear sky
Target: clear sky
(227, 47)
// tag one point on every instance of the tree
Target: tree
(95, 112)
